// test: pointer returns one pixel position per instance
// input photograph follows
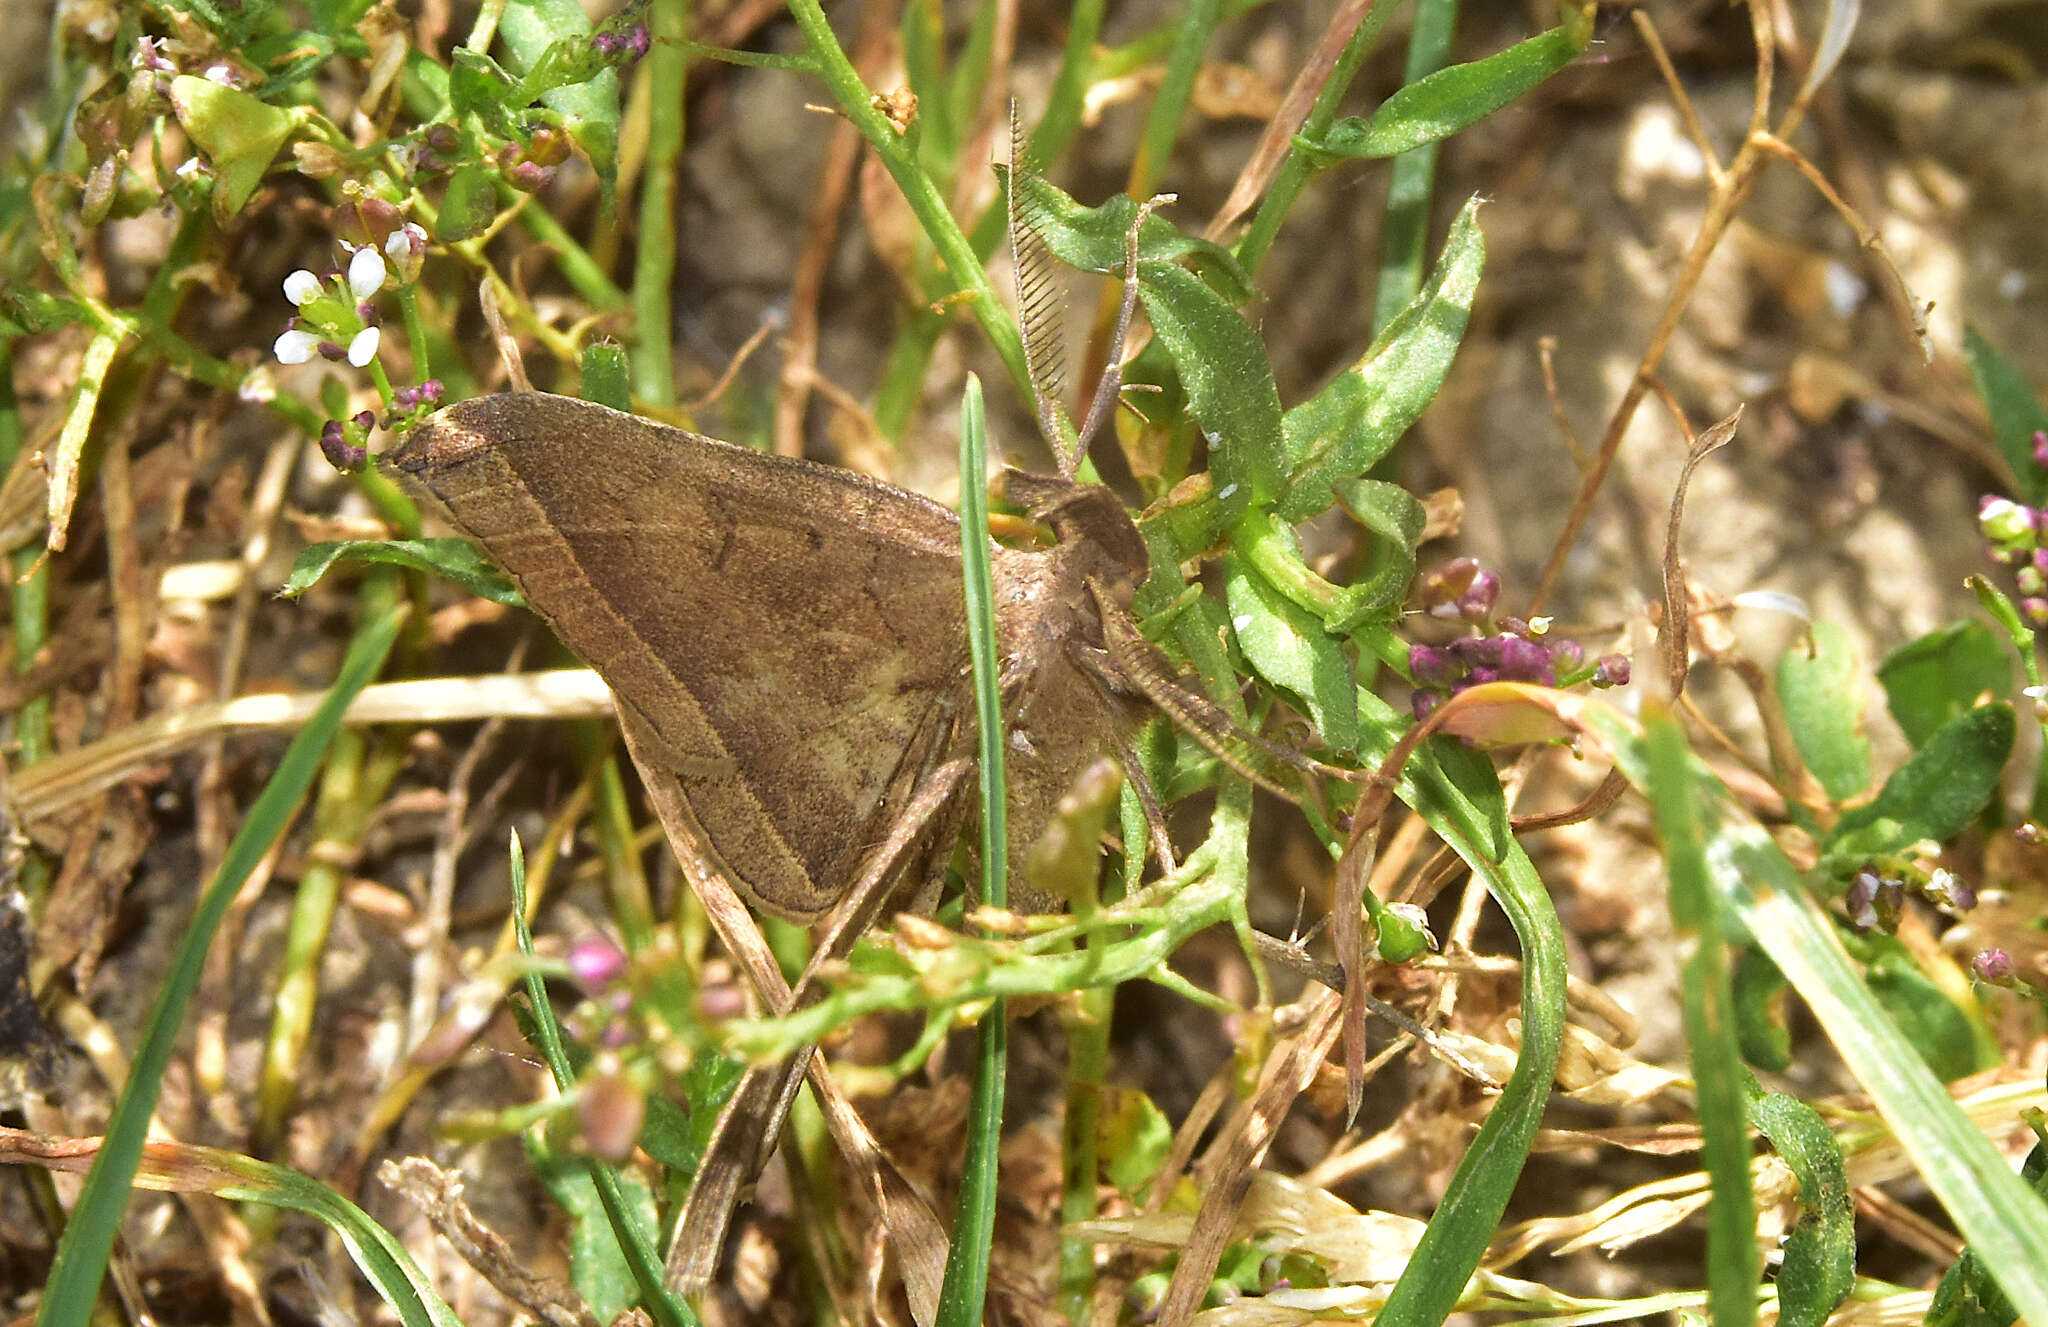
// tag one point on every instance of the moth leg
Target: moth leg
(1134, 774)
(1132, 663)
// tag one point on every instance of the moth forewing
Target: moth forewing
(788, 637)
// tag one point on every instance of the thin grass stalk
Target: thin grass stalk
(665, 68)
(358, 772)
(966, 1285)
(666, 1309)
(910, 353)
(73, 1285)
(1296, 171)
(1708, 1000)
(1404, 238)
(963, 268)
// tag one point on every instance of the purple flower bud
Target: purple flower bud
(638, 39)
(1479, 677)
(1860, 899)
(611, 1108)
(331, 351)
(1478, 651)
(431, 391)
(365, 420)
(721, 1001)
(596, 963)
(1949, 891)
(530, 177)
(607, 44)
(342, 454)
(1515, 626)
(1526, 661)
(1567, 654)
(1612, 671)
(1476, 604)
(443, 138)
(1430, 667)
(1992, 965)
(405, 398)
(1440, 586)
(2035, 610)
(368, 313)
(1424, 704)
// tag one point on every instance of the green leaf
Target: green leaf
(1452, 99)
(1343, 430)
(1824, 708)
(589, 109)
(1819, 1267)
(1936, 793)
(1397, 518)
(456, 559)
(1952, 1043)
(606, 378)
(1759, 1021)
(1228, 379)
(2016, 413)
(1929, 681)
(469, 205)
(1092, 239)
(1707, 1002)
(1290, 649)
(1969, 1296)
(597, 1265)
(238, 133)
(477, 85)
(1133, 1139)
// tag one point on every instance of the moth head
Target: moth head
(1091, 524)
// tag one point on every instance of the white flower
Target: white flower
(192, 168)
(296, 347)
(365, 273)
(363, 348)
(221, 74)
(406, 248)
(301, 287)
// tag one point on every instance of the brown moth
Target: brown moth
(787, 638)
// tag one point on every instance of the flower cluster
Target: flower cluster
(338, 321)
(336, 318)
(1877, 893)
(2017, 536)
(622, 45)
(1507, 649)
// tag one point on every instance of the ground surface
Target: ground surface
(1852, 485)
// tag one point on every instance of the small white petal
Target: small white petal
(398, 245)
(296, 347)
(222, 75)
(302, 287)
(363, 348)
(365, 273)
(191, 168)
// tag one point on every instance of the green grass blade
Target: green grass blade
(1990, 1205)
(667, 1310)
(966, 1285)
(1412, 178)
(1708, 1000)
(89, 1236)
(1457, 791)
